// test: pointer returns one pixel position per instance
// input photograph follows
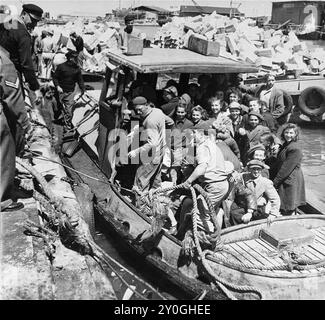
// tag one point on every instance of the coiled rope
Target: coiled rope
(215, 237)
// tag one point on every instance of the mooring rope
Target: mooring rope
(223, 284)
(73, 236)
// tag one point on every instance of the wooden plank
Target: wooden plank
(252, 252)
(269, 258)
(319, 249)
(239, 254)
(319, 239)
(229, 255)
(308, 256)
(321, 231)
(276, 259)
(254, 245)
(246, 255)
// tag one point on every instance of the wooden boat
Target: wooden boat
(244, 263)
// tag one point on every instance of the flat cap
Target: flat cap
(172, 89)
(256, 114)
(33, 10)
(257, 164)
(235, 105)
(139, 101)
(255, 147)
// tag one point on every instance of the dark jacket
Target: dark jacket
(243, 196)
(269, 122)
(67, 75)
(170, 107)
(255, 134)
(17, 41)
(78, 43)
(289, 179)
(13, 100)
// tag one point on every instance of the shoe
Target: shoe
(14, 206)
(172, 231)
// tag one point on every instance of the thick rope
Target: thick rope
(223, 284)
(202, 255)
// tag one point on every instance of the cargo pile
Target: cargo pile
(99, 37)
(242, 40)
(213, 34)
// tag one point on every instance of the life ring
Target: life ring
(310, 97)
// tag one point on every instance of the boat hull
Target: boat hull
(275, 284)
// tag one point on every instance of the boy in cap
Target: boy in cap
(237, 130)
(16, 39)
(267, 198)
(254, 129)
(170, 97)
(258, 152)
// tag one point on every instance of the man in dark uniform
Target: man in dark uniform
(65, 78)
(15, 37)
(14, 126)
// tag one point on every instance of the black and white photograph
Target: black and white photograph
(162, 155)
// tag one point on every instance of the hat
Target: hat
(185, 98)
(50, 32)
(255, 147)
(235, 105)
(33, 10)
(256, 114)
(71, 54)
(139, 101)
(172, 89)
(257, 164)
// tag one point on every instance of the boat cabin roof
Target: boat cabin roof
(160, 60)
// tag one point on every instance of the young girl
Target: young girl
(198, 116)
(218, 119)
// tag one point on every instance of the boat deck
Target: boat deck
(260, 254)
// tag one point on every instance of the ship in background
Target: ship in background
(306, 18)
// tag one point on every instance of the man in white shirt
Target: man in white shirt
(210, 169)
(130, 32)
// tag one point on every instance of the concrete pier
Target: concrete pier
(26, 272)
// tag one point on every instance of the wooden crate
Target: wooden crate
(134, 47)
(203, 46)
(281, 235)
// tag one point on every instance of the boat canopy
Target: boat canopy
(160, 60)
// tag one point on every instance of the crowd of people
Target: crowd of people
(234, 141)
